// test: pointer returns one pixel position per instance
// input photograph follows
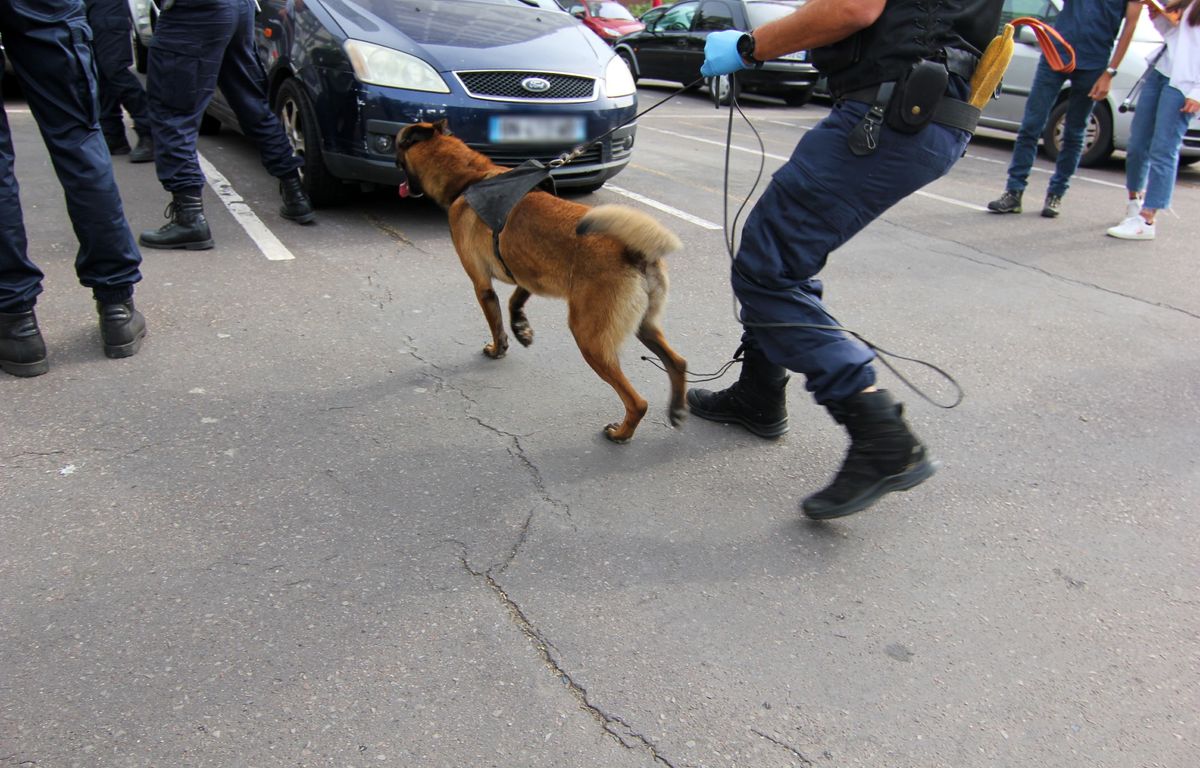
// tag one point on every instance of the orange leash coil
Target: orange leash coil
(1050, 41)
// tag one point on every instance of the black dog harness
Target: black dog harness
(493, 199)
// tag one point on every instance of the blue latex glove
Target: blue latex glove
(721, 56)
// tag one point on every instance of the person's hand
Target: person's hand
(1190, 106)
(721, 55)
(1101, 87)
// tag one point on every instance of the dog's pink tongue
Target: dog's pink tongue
(403, 190)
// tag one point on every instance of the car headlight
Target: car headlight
(610, 31)
(385, 66)
(618, 80)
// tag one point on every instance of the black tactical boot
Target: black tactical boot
(144, 151)
(187, 227)
(884, 456)
(1009, 202)
(122, 328)
(296, 205)
(22, 350)
(757, 400)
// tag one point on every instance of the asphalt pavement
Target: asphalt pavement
(309, 524)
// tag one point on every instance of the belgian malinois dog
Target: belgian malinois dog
(606, 262)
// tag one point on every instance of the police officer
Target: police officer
(111, 26)
(49, 43)
(892, 64)
(198, 46)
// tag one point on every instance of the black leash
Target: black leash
(567, 157)
(731, 239)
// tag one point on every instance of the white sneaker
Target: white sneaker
(1133, 208)
(1133, 228)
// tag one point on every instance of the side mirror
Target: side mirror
(1026, 36)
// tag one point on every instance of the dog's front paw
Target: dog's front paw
(494, 350)
(523, 331)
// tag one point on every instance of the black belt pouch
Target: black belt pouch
(917, 96)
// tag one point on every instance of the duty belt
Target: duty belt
(950, 112)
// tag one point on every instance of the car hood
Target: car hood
(469, 34)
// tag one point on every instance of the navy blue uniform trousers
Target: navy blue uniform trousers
(49, 43)
(818, 200)
(119, 87)
(198, 46)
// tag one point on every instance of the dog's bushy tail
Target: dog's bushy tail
(640, 233)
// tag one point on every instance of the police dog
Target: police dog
(606, 262)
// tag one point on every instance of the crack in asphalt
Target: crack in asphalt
(784, 745)
(618, 729)
(621, 731)
(1045, 272)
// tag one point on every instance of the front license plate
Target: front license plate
(513, 129)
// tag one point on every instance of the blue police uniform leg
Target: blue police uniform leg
(185, 58)
(181, 77)
(817, 201)
(111, 26)
(20, 279)
(51, 52)
(243, 81)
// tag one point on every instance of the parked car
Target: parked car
(671, 47)
(1108, 129)
(514, 79)
(606, 18)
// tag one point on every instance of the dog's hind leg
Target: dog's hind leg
(604, 362)
(516, 316)
(650, 333)
(652, 336)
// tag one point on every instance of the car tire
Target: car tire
(1097, 141)
(627, 57)
(299, 119)
(723, 88)
(798, 98)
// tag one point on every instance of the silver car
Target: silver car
(1109, 127)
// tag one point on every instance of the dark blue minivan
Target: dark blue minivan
(516, 79)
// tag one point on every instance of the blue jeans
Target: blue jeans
(1154, 139)
(819, 199)
(1042, 96)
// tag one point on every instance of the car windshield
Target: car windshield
(761, 13)
(610, 11)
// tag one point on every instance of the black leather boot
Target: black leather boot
(143, 152)
(757, 400)
(122, 328)
(22, 350)
(884, 456)
(187, 227)
(296, 205)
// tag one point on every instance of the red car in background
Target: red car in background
(606, 18)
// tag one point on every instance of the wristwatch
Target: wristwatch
(745, 49)
(1111, 71)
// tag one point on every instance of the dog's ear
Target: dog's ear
(415, 133)
(443, 127)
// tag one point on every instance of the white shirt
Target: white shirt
(1180, 62)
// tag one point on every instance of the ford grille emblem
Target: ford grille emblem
(536, 84)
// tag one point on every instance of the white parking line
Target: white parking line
(705, 223)
(262, 236)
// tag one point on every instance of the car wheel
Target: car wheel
(1097, 137)
(724, 89)
(627, 57)
(798, 98)
(209, 125)
(299, 120)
